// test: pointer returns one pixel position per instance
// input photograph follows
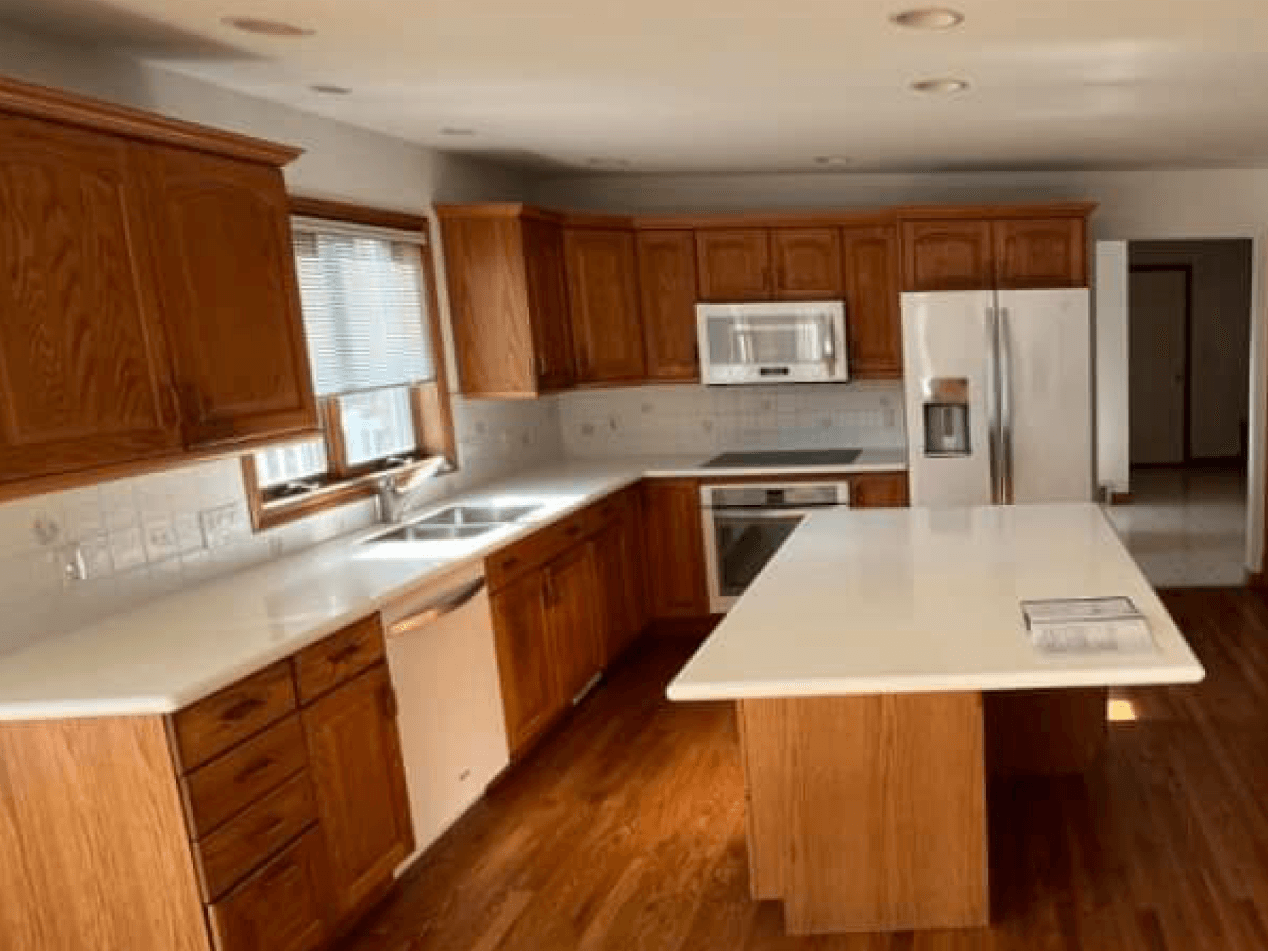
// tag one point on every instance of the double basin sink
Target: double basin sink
(458, 522)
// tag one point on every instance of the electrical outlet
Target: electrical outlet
(160, 538)
(220, 525)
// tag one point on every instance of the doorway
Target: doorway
(1188, 330)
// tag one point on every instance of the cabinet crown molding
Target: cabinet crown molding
(42, 102)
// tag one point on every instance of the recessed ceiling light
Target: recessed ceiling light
(456, 130)
(263, 27)
(330, 89)
(943, 86)
(929, 18)
(608, 163)
(831, 161)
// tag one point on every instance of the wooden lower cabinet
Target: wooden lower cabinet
(575, 622)
(619, 550)
(677, 584)
(879, 490)
(354, 752)
(524, 665)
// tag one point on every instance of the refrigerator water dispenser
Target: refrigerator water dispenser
(946, 417)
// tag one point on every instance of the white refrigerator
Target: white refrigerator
(998, 396)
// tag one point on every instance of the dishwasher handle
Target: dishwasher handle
(436, 610)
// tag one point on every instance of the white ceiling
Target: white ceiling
(750, 85)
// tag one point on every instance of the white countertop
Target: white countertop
(924, 600)
(171, 652)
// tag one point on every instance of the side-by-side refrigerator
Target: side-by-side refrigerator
(999, 396)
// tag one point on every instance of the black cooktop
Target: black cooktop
(783, 458)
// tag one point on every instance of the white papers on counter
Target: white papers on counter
(1087, 626)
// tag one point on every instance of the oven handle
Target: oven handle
(760, 513)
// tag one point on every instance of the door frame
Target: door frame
(1186, 423)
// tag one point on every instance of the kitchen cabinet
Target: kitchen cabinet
(953, 255)
(873, 314)
(1040, 252)
(807, 263)
(354, 752)
(607, 331)
(525, 666)
(84, 380)
(575, 603)
(734, 264)
(879, 490)
(667, 289)
(677, 585)
(504, 264)
(618, 546)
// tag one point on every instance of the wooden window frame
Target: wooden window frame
(430, 402)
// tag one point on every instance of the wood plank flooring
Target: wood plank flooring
(625, 830)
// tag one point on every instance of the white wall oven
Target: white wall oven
(745, 525)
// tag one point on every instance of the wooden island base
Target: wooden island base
(869, 813)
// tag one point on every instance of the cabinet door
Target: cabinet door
(524, 662)
(1038, 253)
(230, 300)
(83, 372)
(873, 306)
(667, 283)
(575, 613)
(548, 303)
(880, 490)
(734, 265)
(354, 752)
(807, 263)
(621, 581)
(948, 256)
(606, 329)
(674, 545)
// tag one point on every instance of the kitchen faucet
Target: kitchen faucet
(397, 492)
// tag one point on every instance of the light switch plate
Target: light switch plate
(221, 524)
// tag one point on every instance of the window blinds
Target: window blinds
(364, 309)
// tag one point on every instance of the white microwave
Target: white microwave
(772, 343)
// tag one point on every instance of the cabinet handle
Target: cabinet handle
(572, 531)
(243, 708)
(347, 653)
(387, 698)
(259, 766)
(268, 825)
(509, 563)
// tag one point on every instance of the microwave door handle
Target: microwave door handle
(829, 345)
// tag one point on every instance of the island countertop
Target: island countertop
(928, 600)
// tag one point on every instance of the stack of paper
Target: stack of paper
(1087, 626)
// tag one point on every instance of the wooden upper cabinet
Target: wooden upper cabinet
(607, 332)
(734, 264)
(873, 307)
(84, 379)
(354, 751)
(548, 303)
(221, 232)
(807, 263)
(667, 286)
(956, 255)
(677, 585)
(1041, 252)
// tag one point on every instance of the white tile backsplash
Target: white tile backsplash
(693, 418)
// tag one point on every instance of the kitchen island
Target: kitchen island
(882, 673)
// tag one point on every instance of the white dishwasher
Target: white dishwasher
(443, 663)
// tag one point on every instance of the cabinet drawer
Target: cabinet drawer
(282, 907)
(534, 551)
(226, 718)
(340, 657)
(244, 843)
(218, 791)
(608, 510)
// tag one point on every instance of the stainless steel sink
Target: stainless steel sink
(419, 532)
(479, 515)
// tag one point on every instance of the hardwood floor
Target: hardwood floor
(626, 828)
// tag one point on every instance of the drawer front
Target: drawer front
(218, 791)
(338, 658)
(225, 719)
(533, 552)
(283, 907)
(606, 511)
(246, 842)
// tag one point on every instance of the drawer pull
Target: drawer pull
(349, 652)
(264, 828)
(508, 563)
(242, 709)
(259, 766)
(573, 530)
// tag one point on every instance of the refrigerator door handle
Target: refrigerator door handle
(994, 447)
(1007, 487)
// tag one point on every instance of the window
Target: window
(365, 281)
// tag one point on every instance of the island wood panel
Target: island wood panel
(667, 285)
(869, 842)
(763, 728)
(230, 300)
(607, 332)
(1045, 732)
(953, 255)
(1041, 252)
(84, 376)
(873, 287)
(95, 851)
(807, 263)
(734, 264)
